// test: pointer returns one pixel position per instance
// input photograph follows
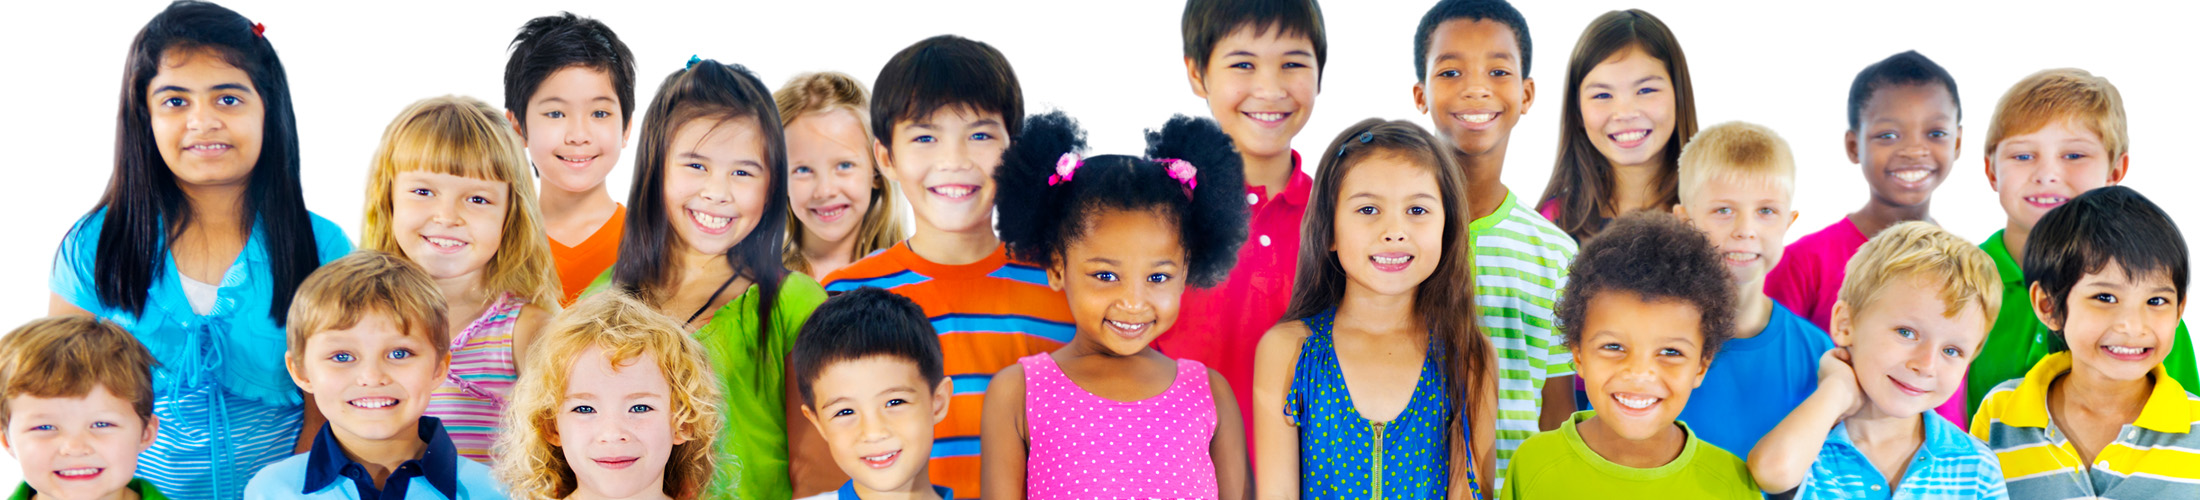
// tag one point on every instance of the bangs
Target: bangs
(453, 141)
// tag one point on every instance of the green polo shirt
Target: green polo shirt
(2019, 340)
(145, 491)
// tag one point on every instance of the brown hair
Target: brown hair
(1581, 182)
(67, 356)
(365, 282)
(2061, 94)
(832, 91)
(463, 136)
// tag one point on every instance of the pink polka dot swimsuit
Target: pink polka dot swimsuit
(1086, 446)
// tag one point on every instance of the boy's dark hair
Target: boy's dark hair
(942, 72)
(1906, 68)
(865, 322)
(68, 356)
(1500, 11)
(551, 43)
(1656, 257)
(2114, 224)
(1039, 218)
(1207, 22)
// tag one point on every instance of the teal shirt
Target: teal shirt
(2019, 340)
(145, 491)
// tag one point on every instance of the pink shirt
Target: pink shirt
(1087, 446)
(1808, 281)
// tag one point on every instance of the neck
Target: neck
(952, 249)
(559, 204)
(654, 491)
(1272, 173)
(2096, 393)
(1633, 187)
(826, 256)
(465, 296)
(380, 457)
(1368, 311)
(1657, 451)
(217, 208)
(694, 264)
(1873, 427)
(2013, 239)
(1878, 214)
(124, 493)
(1485, 189)
(917, 489)
(1754, 311)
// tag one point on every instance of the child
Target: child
(846, 207)
(1472, 58)
(2056, 134)
(610, 352)
(1258, 64)
(1738, 187)
(710, 200)
(449, 190)
(1905, 129)
(1121, 237)
(1914, 306)
(1648, 307)
(368, 341)
(199, 243)
(943, 110)
(76, 400)
(872, 384)
(1384, 205)
(1629, 108)
(2105, 419)
(569, 92)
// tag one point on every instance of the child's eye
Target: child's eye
(2105, 298)
(1157, 278)
(1242, 65)
(801, 170)
(1645, 90)
(584, 409)
(1885, 135)
(981, 136)
(896, 402)
(1906, 333)
(341, 357)
(1417, 211)
(173, 102)
(923, 139)
(845, 166)
(601, 114)
(1612, 347)
(1447, 73)
(230, 100)
(1722, 210)
(1937, 134)
(1601, 95)
(554, 115)
(2074, 156)
(102, 425)
(1107, 276)
(1669, 352)
(46, 427)
(1293, 65)
(640, 409)
(1767, 211)
(697, 166)
(2158, 301)
(1500, 73)
(1368, 210)
(401, 354)
(478, 200)
(744, 173)
(844, 412)
(423, 192)
(1951, 352)
(2021, 157)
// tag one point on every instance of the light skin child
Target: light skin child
(615, 427)
(1640, 359)
(78, 448)
(372, 381)
(1907, 143)
(574, 134)
(1627, 105)
(716, 184)
(2041, 170)
(1899, 356)
(1124, 279)
(944, 163)
(874, 412)
(2120, 326)
(1747, 219)
(1260, 86)
(829, 174)
(451, 226)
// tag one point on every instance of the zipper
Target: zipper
(1378, 490)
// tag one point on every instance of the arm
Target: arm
(1276, 470)
(1558, 402)
(1004, 442)
(1233, 477)
(1783, 457)
(532, 319)
(57, 306)
(810, 463)
(1483, 443)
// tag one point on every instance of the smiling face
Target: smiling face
(1124, 278)
(449, 225)
(206, 118)
(1747, 218)
(1639, 360)
(716, 183)
(1475, 91)
(1627, 107)
(83, 447)
(573, 129)
(945, 165)
(615, 426)
(1260, 87)
(1908, 142)
(876, 415)
(1909, 358)
(2119, 325)
(372, 380)
(2039, 171)
(1389, 224)
(829, 173)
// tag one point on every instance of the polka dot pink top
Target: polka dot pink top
(1086, 446)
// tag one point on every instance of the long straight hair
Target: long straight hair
(1444, 303)
(1582, 181)
(145, 209)
(834, 91)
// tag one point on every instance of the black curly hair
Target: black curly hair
(1038, 221)
(1657, 257)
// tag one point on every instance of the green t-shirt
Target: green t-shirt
(752, 372)
(145, 491)
(2019, 340)
(1557, 464)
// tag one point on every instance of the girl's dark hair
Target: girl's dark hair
(706, 89)
(1581, 182)
(145, 209)
(1444, 303)
(2114, 224)
(1038, 221)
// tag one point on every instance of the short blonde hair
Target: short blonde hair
(625, 329)
(1919, 250)
(465, 137)
(2058, 95)
(344, 290)
(68, 356)
(829, 91)
(1734, 151)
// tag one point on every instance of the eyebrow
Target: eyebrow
(561, 100)
(1646, 79)
(226, 86)
(691, 155)
(1248, 53)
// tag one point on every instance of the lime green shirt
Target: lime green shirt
(2019, 340)
(145, 491)
(1558, 464)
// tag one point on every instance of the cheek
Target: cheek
(752, 197)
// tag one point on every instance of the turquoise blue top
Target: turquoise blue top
(1339, 449)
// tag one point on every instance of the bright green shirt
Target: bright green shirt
(2019, 340)
(1558, 464)
(145, 491)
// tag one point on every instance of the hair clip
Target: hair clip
(1065, 168)
(694, 59)
(1183, 172)
(259, 30)
(1365, 137)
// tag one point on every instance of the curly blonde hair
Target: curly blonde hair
(465, 137)
(625, 329)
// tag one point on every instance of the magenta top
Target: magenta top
(1808, 281)
(1086, 446)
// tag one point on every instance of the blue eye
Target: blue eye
(923, 139)
(981, 136)
(401, 354)
(1645, 90)
(800, 170)
(1106, 276)
(1448, 73)
(2022, 157)
(341, 357)
(102, 425)
(478, 200)
(845, 166)
(1888, 136)
(2074, 156)
(423, 192)
(896, 402)
(1722, 210)
(554, 115)
(46, 427)
(601, 114)
(1601, 95)
(640, 409)
(1157, 278)
(1906, 333)
(697, 166)
(1612, 347)
(1951, 352)
(1767, 211)
(1242, 65)
(743, 173)
(1669, 352)
(844, 412)
(584, 410)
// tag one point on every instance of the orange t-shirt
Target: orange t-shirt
(579, 265)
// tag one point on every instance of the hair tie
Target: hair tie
(1183, 172)
(694, 59)
(1365, 137)
(259, 30)
(1065, 168)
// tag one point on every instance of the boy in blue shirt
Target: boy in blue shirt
(872, 381)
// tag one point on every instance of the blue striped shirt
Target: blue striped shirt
(1948, 465)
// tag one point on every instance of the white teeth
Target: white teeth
(444, 242)
(574, 160)
(710, 221)
(1127, 326)
(1630, 136)
(952, 191)
(1636, 403)
(209, 147)
(1267, 117)
(1912, 175)
(1392, 261)
(1741, 256)
(832, 213)
(882, 457)
(1478, 117)
(373, 403)
(2126, 351)
(78, 472)
(2046, 200)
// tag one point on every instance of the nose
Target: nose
(372, 373)
(1745, 226)
(573, 135)
(202, 118)
(872, 427)
(1923, 359)
(717, 188)
(1136, 300)
(446, 211)
(613, 434)
(1268, 84)
(75, 443)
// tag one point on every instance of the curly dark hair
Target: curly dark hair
(1039, 221)
(1658, 257)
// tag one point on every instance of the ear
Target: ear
(1056, 277)
(885, 159)
(811, 415)
(1848, 142)
(517, 127)
(1958, 151)
(1527, 95)
(551, 435)
(297, 372)
(152, 431)
(1191, 74)
(1681, 211)
(1702, 370)
(1793, 215)
(1420, 97)
(2044, 308)
(1992, 180)
(1842, 329)
(2122, 167)
(940, 397)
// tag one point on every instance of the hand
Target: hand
(1837, 380)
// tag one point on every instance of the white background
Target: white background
(1115, 65)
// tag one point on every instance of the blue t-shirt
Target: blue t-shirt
(1755, 382)
(848, 492)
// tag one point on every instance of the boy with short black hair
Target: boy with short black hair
(873, 385)
(569, 93)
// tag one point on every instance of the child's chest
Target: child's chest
(1380, 372)
(1125, 379)
(1892, 460)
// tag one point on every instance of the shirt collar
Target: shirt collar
(2166, 408)
(438, 463)
(1942, 438)
(2003, 262)
(1300, 186)
(848, 491)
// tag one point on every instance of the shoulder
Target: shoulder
(1009, 381)
(1799, 329)
(329, 237)
(800, 290)
(866, 271)
(282, 479)
(476, 481)
(1282, 341)
(1721, 465)
(1540, 450)
(1533, 232)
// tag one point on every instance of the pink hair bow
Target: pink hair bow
(1065, 168)
(1183, 172)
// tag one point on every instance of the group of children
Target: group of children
(1065, 325)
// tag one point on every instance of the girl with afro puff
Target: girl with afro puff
(1121, 237)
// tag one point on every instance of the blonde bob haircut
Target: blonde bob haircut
(465, 137)
(1736, 151)
(534, 467)
(2061, 95)
(834, 91)
(1920, 252)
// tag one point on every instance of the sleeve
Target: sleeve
(72, 267)
(1794, 281)
(330, 238)
(2180, 362)
(1992, 484)
(1980, 427)
(1558, 361)
(799, 296)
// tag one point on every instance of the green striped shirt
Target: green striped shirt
(1520, 264)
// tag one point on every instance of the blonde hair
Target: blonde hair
(1919, 250)
(1735, 151)
(830, 91)
(2054, 95)
(465, 137)
(68, 356)
(365, 282)
(625, 329)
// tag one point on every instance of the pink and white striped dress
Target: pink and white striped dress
(1087, 446)
(482, 373)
